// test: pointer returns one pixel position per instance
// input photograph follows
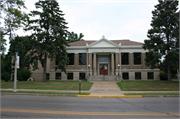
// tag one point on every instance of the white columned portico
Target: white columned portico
(112, 65)
(94, 64)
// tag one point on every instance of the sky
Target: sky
(115, 19)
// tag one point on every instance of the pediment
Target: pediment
(103, 43)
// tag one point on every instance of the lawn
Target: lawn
(49, 85)
(148, 85)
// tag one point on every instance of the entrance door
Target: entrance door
(103, 69)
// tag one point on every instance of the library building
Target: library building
(102, 60)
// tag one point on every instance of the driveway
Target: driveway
(105, 88)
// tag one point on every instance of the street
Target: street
(24, 106)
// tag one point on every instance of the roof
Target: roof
(123, 43)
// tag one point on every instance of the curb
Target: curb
(111, 96)
(160, 95)
(106, 96)
(65, 95)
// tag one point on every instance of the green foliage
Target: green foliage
(5, 67)
(72, 37)
(3, 42)
(21, 45)
(5, 76)
(163, 75)
(12, 14)
(163, 36)
(23, 74)
(49, 34)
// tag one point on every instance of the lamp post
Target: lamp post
(15, 68)
(118, 71)
(88, 76)
(89, 69)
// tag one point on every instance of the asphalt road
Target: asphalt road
(21, 106)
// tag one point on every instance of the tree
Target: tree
(6, 67)
(21, 45)
(3, 42)
(11, 12)
(49, 37)
(72, 37)
(163, 37)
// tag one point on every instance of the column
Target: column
(131, 60)
(90, 63)
(117, 62)
(94, 66)
(143, 60)
(112, 65)
(76, 60)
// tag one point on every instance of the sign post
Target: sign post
(79, 86)
(15, 74)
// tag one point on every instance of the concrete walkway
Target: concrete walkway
(105, 88)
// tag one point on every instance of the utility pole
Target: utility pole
(15, 73)
(179, 48)
(0, 53)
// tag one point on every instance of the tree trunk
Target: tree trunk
(169, 72)
(44, 68)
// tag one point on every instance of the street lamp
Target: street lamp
(89, 69)
(15, 72)
(118, 71)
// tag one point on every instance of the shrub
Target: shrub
(6, 76)
(163, 75)
(23, 74)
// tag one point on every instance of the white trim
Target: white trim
(103, 39)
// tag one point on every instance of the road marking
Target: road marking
(92, 113)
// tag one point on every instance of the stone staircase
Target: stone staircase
(103, 78)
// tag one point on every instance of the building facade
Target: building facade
(102, 60)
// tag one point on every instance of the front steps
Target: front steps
(103, 78)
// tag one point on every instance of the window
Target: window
(125, 58)
(71, 58)
(138, 75)
(137, 58)
(82, 58)
(125, 76)
(150, 75)
(103, 59)
(82, 76)
(70, 76)
(58, 76)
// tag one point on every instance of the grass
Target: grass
(49, 85)
(151, 93)
(40, 92)
(148, 85)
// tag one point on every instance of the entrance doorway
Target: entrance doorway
(103, 69)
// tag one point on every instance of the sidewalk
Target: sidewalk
(105, 88)
(69, 91)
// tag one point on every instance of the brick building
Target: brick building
(102, 60)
